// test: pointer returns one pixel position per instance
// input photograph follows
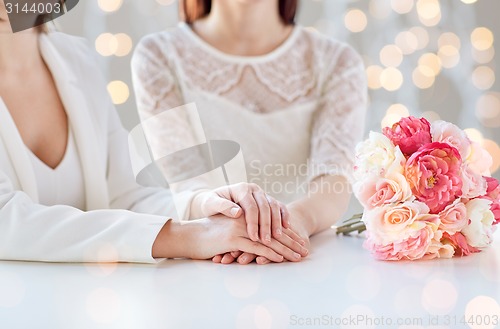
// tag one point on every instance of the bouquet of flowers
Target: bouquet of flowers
(426, 192)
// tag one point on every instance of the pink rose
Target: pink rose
(459, 243)
(446, 132)
(409, 134)
(396, 223)
(493, 194)
(415, 246)
(377, 191)
(473, 184)
(434, 175)
(453, 217)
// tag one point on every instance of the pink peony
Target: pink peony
(446, 132)
(434, 175)
(493, 194)
(479, 229)
(453, 217)
(412, 248)
(409, 134)
(459, 243)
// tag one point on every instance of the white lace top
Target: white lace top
(297, 112)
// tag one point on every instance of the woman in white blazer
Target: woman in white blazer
(67, 192)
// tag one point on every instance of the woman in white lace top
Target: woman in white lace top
(294, 100)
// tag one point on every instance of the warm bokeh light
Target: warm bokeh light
(119, 92)
(474, 135)
(469, 1)
(429, 12)
(431, 116)
(483, 77)
(380, 9)
(109, 5)
(482, 38)
(449, 56)
(483, 56)
(391, 79)
(124, 44)
(431, 61)
(391, 56)
(449, 39)
(373, 73)
(355, 20)
(494, 150)
(422, 36)
(423, 77)
(402, 6)
(488, 109)
(106, 44)
(393, 114)
(407, 42)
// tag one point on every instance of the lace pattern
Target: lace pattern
(310, 70)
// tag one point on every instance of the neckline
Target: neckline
(283, 47)
(69, 146)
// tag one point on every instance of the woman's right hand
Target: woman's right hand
(207, 237)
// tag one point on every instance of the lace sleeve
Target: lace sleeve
(339, 121)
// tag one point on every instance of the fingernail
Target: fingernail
(268, 238)
(243, 259)
(305, 251)
(302, 242)
(278, 232)
(297, 256)
(234, 211)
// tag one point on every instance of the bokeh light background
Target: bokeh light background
(431, 58)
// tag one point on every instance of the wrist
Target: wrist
(177, 240)
(300, 219)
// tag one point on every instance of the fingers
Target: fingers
(285, 216)
(262, 260)
(218, 205)
(264, 216)
(246, 258)
(289, 248)
(251, 209)
(291, 233)
(276, 219)
(227, 259)
(217, 259)
(259, 249)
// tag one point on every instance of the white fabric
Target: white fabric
(63, 184)
(31, 231)
(297, 112)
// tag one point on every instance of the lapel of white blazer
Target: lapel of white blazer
(68, 85)
(17, 153)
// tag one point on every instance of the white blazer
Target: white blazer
(30, 231)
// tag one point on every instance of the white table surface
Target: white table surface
(338, 282)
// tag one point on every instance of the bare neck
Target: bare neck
(243, 28)
(19, 51)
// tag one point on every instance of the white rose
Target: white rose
(377, 156)
(479, 231)
(446, 132)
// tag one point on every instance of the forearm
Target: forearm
(326, 202)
